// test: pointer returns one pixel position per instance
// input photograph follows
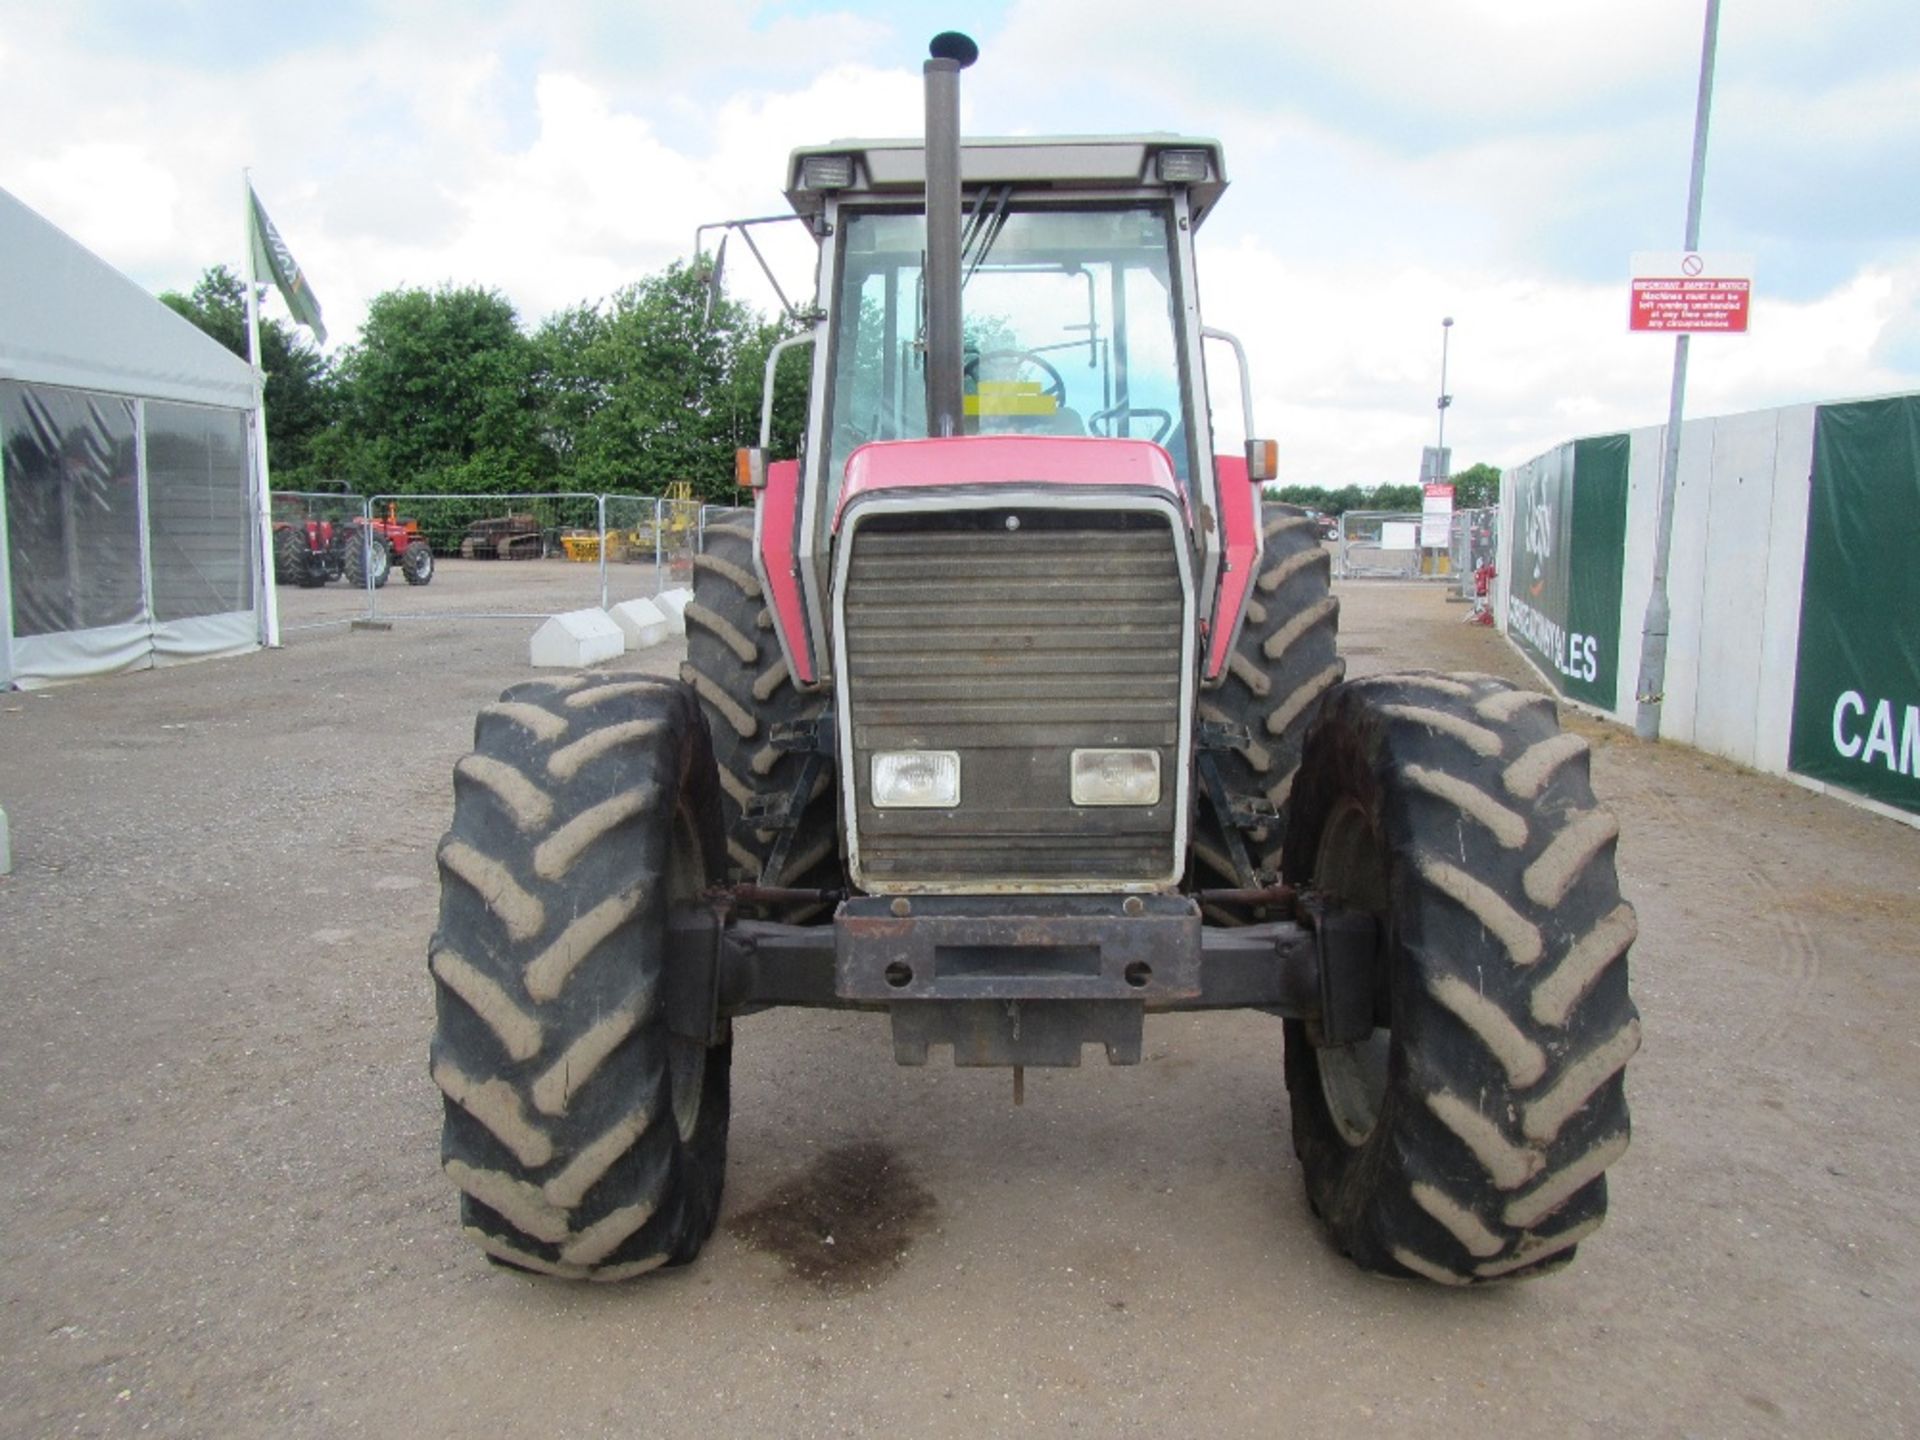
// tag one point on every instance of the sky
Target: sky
(1391, 163)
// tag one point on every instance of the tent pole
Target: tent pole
(262, 491)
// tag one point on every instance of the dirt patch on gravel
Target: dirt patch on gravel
(845, 1221)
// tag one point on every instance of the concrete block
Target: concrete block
(577, 638)
(642, 622)
(674, 603)
(6, 846)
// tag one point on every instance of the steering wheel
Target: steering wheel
(1099, 418)
(1056, 386)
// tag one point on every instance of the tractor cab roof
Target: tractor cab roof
(897, 169)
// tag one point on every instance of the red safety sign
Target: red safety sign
(1682, 293)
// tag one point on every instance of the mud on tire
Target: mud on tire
(735, 665)
(1280, 670)
(1467, 1140)
(585, 1139)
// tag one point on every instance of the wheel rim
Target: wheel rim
(1352, 868)
(686, 1059)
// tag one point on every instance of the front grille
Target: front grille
(1014, 647)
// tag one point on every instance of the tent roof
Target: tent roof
(69, 318)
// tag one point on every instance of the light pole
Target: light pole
(1649, 691)
(1440, 441)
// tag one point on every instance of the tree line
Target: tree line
(1474, 488)
(447, 392)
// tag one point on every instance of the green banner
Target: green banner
(1569, 546)
(1856, 696)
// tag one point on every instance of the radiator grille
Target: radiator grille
(1014, 647)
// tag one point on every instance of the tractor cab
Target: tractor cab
(1079, 314)
(1076, 292)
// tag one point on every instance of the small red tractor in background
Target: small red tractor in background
(310, 550)
(1011, 715)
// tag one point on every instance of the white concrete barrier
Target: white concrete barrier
(643, 623)
(577, 638)
(674, 603)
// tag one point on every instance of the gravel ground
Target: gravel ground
(221, 1213)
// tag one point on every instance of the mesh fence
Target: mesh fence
(1472, 544)
(488, 556)
(313, 533)
(453, 557)
(1379, 544)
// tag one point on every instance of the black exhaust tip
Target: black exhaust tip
(952, 45)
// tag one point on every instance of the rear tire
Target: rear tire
(1281, 668)
(1467, 1140)
(289, 555)
(735, 664)
(586, 1140)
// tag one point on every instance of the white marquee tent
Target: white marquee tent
(129, 531)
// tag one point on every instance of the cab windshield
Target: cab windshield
(1068, 327)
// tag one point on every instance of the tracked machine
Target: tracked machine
(1013, 715)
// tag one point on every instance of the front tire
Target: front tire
(417, 564)
(587, 1141)
(1280, 670)
(735, 664)
(1467, 1139)
(365, 554)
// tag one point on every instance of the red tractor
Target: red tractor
(1011, 715)
(310, 551)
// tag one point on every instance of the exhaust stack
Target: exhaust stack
(950, 52)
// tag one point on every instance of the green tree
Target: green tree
(1398, 498)
(1476, 487)
(440, 394)
(649, 388)
(302, 397)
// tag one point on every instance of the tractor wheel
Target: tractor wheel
(586, 1140)
(363, 553)
(1466, 1140)
(417, 564)
(289, 555)
(1277, 676)
(734, 663)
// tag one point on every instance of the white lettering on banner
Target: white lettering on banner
(1849, 746)
(1575, 656)
(1877, 743)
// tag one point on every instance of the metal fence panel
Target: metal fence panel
(525, 556)
(309, 597)
(495, 557)
(1473, 543)
(1379, 544)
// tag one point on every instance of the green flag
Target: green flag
(272, 258)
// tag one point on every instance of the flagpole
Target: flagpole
(263, 494)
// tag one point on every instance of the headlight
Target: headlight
(916, 779)
(1116, 777)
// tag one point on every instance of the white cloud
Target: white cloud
(1346, 361)
(1391, 164)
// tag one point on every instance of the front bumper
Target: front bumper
(1027, 980)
